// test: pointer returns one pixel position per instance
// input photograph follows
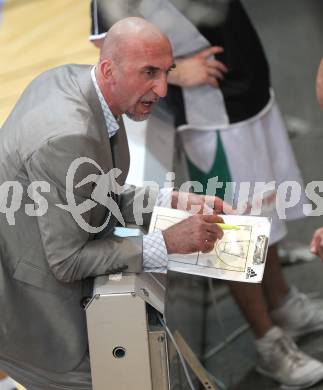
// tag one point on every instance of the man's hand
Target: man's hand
(198, 69)
(316, 245)
(196, 233)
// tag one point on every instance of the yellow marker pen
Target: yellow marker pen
(226, 226)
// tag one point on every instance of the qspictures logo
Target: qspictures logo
(257, 198)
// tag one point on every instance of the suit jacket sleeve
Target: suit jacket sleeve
(137, 204)
(72, 252)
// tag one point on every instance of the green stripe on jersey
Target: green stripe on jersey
(220, 169)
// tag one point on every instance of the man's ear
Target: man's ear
(106, 69)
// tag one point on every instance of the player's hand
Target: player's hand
(319, 84)
(200, 204)
(196, 233)
(316, 245)
(199, 69)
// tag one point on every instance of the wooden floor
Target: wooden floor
(36, 35)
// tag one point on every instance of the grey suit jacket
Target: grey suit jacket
(48, 262)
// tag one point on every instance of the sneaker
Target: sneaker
(280, 359)
(299, 314)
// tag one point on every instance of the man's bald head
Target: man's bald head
(127, 34)
(134, 63)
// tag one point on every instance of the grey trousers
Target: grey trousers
(33, 378)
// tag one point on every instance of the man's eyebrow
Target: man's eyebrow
(155, 69)
(151, 68)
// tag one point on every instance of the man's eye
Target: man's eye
(150, 72)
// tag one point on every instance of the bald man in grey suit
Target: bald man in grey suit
(48, 256)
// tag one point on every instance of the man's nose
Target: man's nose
(160, 86)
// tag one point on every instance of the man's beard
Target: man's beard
(138, 117)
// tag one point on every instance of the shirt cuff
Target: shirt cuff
(155, 258)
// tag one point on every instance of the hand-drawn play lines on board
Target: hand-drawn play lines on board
(230, 253)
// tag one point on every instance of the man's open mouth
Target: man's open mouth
(147, 103)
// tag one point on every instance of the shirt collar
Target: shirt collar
(110, 120)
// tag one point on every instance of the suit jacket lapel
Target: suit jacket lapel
(120, 150)
(89, 92)
(120, 143)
